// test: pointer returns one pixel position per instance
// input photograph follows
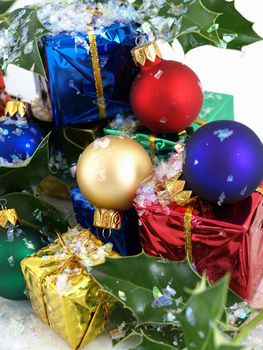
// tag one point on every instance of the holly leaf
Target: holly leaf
(5, 5)
(27, 175)
(153, 289)
(20, 32)
(120, 324)
(197, 26)
(201, 315)
(150, 344)
(234, 30)
(38, 214)
(164, 334)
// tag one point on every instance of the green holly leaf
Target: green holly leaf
(28, 175)
(150, 344)
(164, 334)
(153, 289)
(234, 30)
(120, 324)
(197, 26)
(201, 315)
(5, 5)
(218, 342)
(21, 31)
(38, 214)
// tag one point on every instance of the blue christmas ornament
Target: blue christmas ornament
(19, 136)
(224, 162)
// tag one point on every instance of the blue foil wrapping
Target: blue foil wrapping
(71, 79)
(125, 241)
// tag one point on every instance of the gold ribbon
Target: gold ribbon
(187, 229)
(260, 190)
(97, 72)
(200, 122)
(152, 139)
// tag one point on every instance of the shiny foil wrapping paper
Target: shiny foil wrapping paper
(230, 240)
(216, 106)
(72, 88)
(62, 290)
(125, 241)
(4, 98)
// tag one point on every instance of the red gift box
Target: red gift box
(4, 98)
(229, 241)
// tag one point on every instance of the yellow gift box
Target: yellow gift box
(61, 289)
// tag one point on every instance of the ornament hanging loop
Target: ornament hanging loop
(3, 203)
(104, 235)
(141, 40)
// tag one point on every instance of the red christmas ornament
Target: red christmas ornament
(166, 96)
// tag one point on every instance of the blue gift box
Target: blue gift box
(125, 241)
(72, 88)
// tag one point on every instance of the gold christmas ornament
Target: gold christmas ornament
(109, 172)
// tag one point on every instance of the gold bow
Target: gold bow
(176, 190)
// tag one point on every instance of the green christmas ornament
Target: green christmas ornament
(16, 242)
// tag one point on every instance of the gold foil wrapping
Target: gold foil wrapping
(62, 291)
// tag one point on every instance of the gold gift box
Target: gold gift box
(61, 289)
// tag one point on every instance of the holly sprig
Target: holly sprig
(169, 306)
(193, 22)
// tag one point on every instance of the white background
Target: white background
(226, 71)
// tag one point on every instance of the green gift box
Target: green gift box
(216, 106)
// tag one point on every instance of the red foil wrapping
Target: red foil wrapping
(4, 98)
(231, 241)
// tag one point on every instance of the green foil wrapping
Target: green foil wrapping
(216, 106)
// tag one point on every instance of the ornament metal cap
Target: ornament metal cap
(107, 218)
(7, 215)
(142, 53)
(14, 107)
